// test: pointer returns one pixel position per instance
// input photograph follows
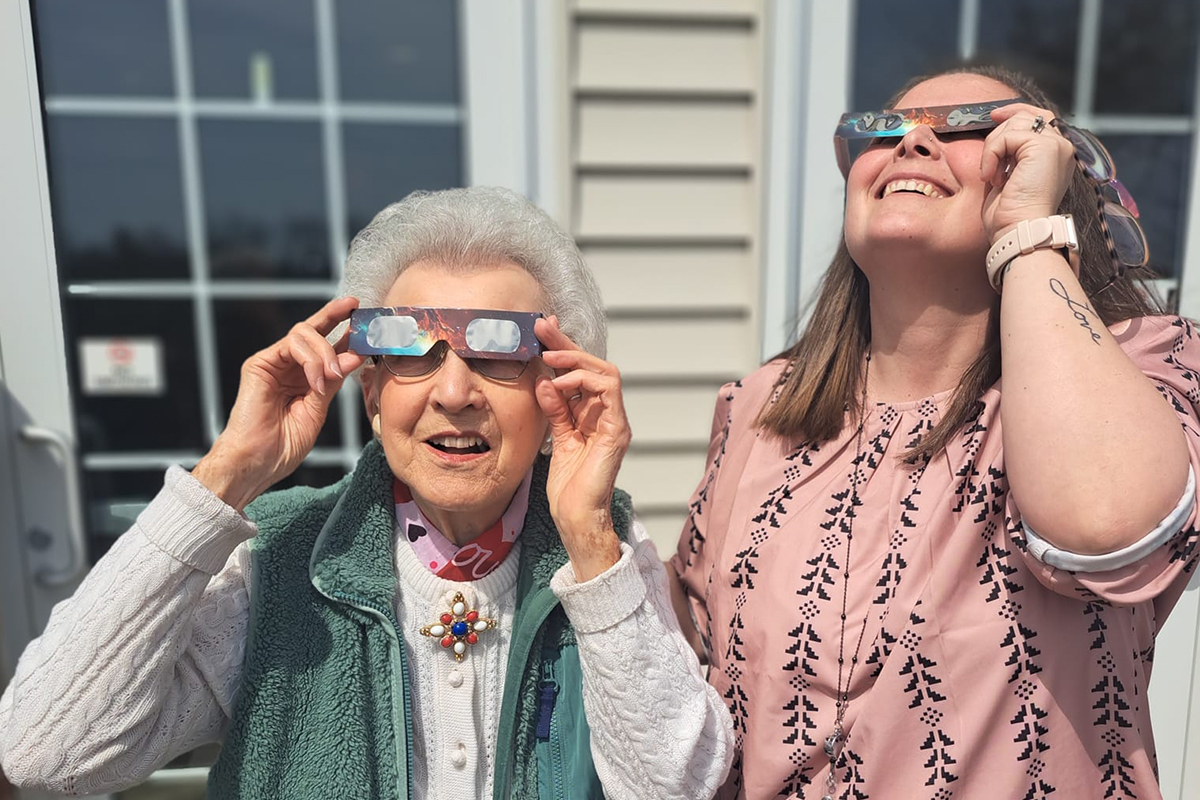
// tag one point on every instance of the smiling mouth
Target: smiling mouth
(913, 187)
(459, 445)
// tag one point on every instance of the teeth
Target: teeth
(457, 442)
(912, 186)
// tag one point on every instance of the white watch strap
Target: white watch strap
(1029, 235)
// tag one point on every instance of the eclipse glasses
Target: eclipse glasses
(411, 341)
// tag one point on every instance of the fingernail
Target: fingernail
(336, 370)
(321, 386)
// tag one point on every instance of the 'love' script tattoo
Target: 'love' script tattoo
(1079, 310)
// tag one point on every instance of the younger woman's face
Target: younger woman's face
(943, 218)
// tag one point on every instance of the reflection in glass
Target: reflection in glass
(893, 44)
(1155, 169)
(246, 326)
(117, 47)
(264, 196)
(170, 421)
(1147, 57)
(261, 49)
(385, 162)
(1037, 37)
(399, 52)
(117, 199)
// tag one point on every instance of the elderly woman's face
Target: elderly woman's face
(425, 421)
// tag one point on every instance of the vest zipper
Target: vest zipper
(386, 615)
(556, 756)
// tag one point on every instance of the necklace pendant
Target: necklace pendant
(459, 628)
(833, 746)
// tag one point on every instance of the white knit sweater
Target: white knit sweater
(144, 661)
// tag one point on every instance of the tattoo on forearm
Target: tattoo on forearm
(1079, 310)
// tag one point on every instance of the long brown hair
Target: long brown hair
(824, 368)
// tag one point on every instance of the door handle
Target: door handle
(76, 545)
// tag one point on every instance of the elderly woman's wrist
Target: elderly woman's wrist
(230, 478)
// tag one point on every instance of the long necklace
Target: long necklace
(835, 741)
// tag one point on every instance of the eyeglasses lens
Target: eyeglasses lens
(1128, 239)
(417, 366)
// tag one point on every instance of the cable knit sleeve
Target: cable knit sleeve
(142, 663)
(658, 729)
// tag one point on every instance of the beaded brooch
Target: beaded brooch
(460, 628)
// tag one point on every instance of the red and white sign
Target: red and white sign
(121, 366)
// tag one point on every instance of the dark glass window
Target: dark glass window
(1155, 170)
(117, 196)
(246, 326)
(1037, 37)
(167, 421)
(1147, 57)
(405, 52)
(253, 48)
(386, 162)
(897, 41)
(117, 47)
(113, 499)
(264, 196)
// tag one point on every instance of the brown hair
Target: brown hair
(824, 368)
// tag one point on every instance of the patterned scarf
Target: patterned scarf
(443, 557)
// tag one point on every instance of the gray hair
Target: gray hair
(463, 228)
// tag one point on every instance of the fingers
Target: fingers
(554, 406)
(329, 315)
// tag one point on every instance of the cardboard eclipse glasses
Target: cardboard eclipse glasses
(470, 332)
(856, 130)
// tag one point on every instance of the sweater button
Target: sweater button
(454, 678)
(459, 757)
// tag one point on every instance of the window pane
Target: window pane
(1037, 37)
(246, 326)
(405, 52)
(117, 47)
(894, 43)
(1147, 57)
(113, 499)
(1155, 170)
(264, 196)
(386, 162)
(117, 198)
(121, 422)
(260, 48)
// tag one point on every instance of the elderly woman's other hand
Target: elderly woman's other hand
(281, 405)
(590, 434)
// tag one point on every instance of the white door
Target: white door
(178, 184)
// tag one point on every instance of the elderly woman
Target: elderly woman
(948, 583)
(462, 616)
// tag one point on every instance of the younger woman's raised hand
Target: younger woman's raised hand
(1029, 170)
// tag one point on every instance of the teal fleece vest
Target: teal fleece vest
(324, 709)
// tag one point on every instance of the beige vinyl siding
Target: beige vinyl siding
(665, 126)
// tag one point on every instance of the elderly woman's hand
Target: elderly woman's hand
(1028, 170)
(282, 402)
(590, 434)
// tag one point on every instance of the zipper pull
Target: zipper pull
(546, 697)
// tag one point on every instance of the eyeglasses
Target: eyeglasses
(859, 129)
(411, 341)
(431, 361)
(1123, 234)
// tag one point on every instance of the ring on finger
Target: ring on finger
(1039, 124)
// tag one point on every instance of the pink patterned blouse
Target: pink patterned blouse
(983, 672)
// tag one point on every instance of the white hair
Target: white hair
(475, 228)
